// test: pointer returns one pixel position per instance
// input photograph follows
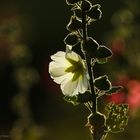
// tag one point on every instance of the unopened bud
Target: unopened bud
(86, 5)
(95, 12)
(71, 2)
(74, 24)
(90, 46)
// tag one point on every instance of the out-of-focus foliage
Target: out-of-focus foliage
(124, 40)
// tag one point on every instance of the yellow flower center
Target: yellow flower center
(77, 68)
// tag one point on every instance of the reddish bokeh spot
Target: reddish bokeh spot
(117, 98)
(122, 80)
(130, 93)
(118, 46)
(134, 94)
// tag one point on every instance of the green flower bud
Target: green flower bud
(96, 120)
(86, 5)
(103, 52)
(74, 24)
(95, 12)
(71, 2)
(102, 83)
(78, 13)
(71, 39)
(90, 46)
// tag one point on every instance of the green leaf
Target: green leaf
(117, 117)
(71, 39)
(114, 89)
(80, 98)
(102, 83)
(103, 52)
(71, 99)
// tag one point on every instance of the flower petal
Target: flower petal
(73, 56)
(69, 70)
(56, 71)
(58, 55)
(63, 79)
(82, 84)
(59, 59)
(69, 87)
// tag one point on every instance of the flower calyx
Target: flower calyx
(71, 39)
(72, 2)
(95, 13)
(96, 123)
(102, 83)
(103, 52)
(96, 120)
(74, 24)
(90, 46)
(86, 5)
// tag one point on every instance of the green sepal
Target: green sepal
(74, 24)
(90, 46)
(78, 12)
(71, 99)
(96, 124)
(102, 83)
(71, 39)
(97, 119)
(72, 2)
(83, 98)
(80, 98)
(95, 13)
(102, 60)
(117, 117)
(86, 5)
(113, 90)
(103, 52)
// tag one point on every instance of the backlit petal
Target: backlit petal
(74, 56)
(69, 87)
(56, 71)
(59, 59)
(82, 84)
(69, 71)
(63, 79)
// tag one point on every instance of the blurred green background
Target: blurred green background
(31, 104)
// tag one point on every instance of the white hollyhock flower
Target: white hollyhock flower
(70, 72)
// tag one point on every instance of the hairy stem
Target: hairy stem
(88, 63)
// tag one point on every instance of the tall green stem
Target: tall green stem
(88, 63)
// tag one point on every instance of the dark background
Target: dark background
(42, 25)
